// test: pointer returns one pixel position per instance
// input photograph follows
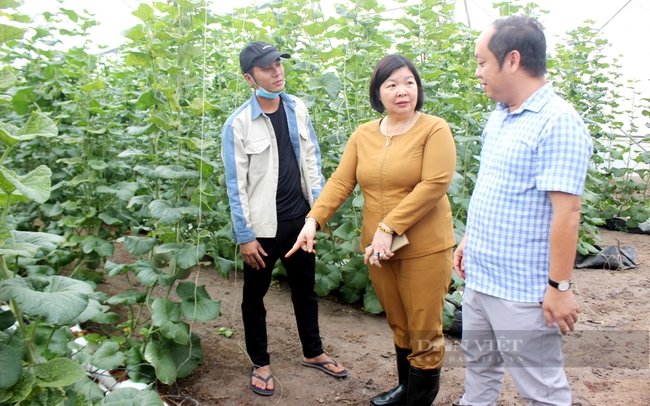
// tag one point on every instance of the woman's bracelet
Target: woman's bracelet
(385, 229)
(314, 220)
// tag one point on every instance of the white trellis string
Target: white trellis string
(201, 163)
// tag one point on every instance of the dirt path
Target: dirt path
(607, 359)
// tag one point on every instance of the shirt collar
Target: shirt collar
(256, 110)
(534, 102)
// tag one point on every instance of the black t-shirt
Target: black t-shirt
(289, 200)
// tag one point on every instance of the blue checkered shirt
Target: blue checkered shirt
(542, 146)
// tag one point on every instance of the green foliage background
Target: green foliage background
(135, 151)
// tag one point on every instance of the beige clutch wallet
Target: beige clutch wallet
(399, 241)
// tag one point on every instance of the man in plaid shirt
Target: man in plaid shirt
(519, 247)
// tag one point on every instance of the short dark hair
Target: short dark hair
(524, 34)
(384, 68)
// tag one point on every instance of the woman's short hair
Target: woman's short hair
(384, 68)
(525, 35)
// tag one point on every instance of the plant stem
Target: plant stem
(4, 269)
(30, 353)
(5, 155)
(5, 212)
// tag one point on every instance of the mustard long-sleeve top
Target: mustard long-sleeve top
(404, 181)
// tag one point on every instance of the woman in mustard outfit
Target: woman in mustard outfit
(404, 163)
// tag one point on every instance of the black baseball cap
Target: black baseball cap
(259, 54)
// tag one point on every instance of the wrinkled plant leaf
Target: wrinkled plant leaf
(197, 304)
(59, 372)
(54, 299)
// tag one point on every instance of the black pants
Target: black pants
(301, 273)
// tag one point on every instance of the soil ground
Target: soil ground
(607, 355)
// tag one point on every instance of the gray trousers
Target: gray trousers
(499, 332)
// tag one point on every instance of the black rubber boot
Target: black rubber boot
(397, 395)
(423, 386)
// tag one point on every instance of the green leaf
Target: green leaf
(148, 172)
(370, 301)
(163, 121)
(144, 12)
(108, 219)
(9, 32)
(198, 105)
(112, 269)
(349, 294)
(146, 273)
(106, 318)
(139, 370)
(93, 310)
(127, 298)
(169, 213)
(358, 201)
(48, 396)
(102, 247)
(12, 367)
(13, 198)
(448, 315)
(187, 255)
(97, 164)
(96, 85)
(51, 341)
(176, 172)
(80, 396)
(162, 361)
(20, 249)
(5, 233)
(70, 13)
(53, 299)
(143, 130)
(124, 191)
(225, 266)
(197, 304)
(21, 389)
(108, 356)
(197, 143)
(7, 80)
(38, 125)
(139, 201)
(456, 281)
(328, 277)
(35, 185)
(138, 59)
(332, 84)
(346, 231)
(355, 273)
(9, 4)
(133, 397)
(136, 33)
(59, 372)
(130, 152)
(45, 241)
(139, 245)
(7, 319)
(166, 315)
(186, 356)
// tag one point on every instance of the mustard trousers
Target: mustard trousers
(412, 293)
